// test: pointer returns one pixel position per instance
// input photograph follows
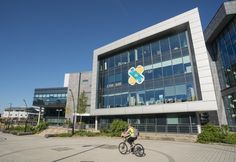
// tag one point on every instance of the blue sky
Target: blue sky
(42, 40)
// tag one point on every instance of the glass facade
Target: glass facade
(224, 47)
(230, 108)
(50, 97)
(168, 73)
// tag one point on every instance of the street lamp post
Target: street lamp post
(26, 113)
(73, 124)
(58, 110)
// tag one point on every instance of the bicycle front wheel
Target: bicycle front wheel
(139, 150)
(123, 148)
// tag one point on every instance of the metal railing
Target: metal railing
(152, 128)
(55, 120)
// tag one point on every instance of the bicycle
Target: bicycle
(138, 149)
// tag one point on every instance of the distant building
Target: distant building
(20, 113)
(53, 100)
(58, 102)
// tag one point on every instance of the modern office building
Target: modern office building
(53, 100)
(158, 76)
(59, 104)
(220, 37)
(77, 84)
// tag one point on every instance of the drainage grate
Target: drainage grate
(62, 149)
(109, 147)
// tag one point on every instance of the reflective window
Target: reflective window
(225, 49)
(111, 62)
(124, 58)
(174, 43)
(131, 56)
(167, 71)
(165, 46)
(117, 60)
(158, 73)
(156, 51)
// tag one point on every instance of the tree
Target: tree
(82, 104)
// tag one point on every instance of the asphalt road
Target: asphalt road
(104, 149)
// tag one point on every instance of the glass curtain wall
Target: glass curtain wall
(50, 99)
(167, 71)
(225, 49)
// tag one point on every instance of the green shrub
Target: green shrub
(118, 126)
(210, 133)
(230, 138)
(21, 128)
(42, 126)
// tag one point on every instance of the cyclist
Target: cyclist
(130, 133)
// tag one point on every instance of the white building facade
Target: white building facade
(159, 76)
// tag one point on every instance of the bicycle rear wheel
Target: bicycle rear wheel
(123, 148)
(139, 150)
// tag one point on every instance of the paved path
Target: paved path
(103, 149)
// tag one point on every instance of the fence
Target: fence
(55, 120)
(189, 129)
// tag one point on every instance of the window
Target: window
(118, 101)
(165, 46)
(156, 48)
(158, 73)
(146, 51)
(178, 69)
(190, 92)
(141, 98)
(131, 56)
(111, 79)
(118, 77)
(172, 119)
(139, 54)
(181, 91)
(169, 94)
(174, 43)
(124, 100)
(106, 102)
(167, 71)
(118, 60)
(150, 97)
(124, 58)
(111, 101)
(159, 95)
(132, 99)
(111, 62)
(148, 74)
(183, 40)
